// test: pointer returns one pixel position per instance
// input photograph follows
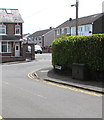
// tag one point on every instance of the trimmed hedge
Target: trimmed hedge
(87, 49)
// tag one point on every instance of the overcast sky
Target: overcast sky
(41, 14)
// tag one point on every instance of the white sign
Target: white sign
(58, 67)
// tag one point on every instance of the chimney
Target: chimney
(70, 19)
(50, 28)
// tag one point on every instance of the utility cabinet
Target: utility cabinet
(79, 71)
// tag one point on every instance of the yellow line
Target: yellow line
(30, 75)
(76, 89)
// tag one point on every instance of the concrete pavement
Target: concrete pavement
(49, 74)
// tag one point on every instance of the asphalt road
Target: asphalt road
(26, 98)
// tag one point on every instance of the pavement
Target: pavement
(48, 74)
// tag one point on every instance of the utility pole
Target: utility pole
(76, 17)
(76, 5)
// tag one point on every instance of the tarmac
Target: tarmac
(49, 74)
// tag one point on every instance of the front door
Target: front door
(17, 49)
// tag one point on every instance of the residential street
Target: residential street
(23, 97)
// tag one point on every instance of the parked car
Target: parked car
(38, 49)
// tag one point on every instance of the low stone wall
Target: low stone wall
(11, 59)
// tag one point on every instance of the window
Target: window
(35, 38)
(58, 31)
(9, 47)
(80, 29)
(88, 28)
(62, 30)
(2, 29)
(17, 30)
(68, 30)
(29, 49)
(6, 47)
(73, 31)
(39, 38)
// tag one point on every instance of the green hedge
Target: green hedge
(87, 49)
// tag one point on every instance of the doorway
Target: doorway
(17, 49)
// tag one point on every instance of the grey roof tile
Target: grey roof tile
(39, 33)
(13, 17)
(81, 21)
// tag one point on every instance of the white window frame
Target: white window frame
(17, 29)
(2, 27)
(9, 50)
(88, 28)
(58, 31)
(73, 31)
(81, 30)
(68, 30)
(62, 30)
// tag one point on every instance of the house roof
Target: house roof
(81, 21)
(40, 33)
(10, 16)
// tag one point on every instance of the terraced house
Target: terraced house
(87, 25)
(10, 32)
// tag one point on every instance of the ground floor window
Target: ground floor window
(6, 47)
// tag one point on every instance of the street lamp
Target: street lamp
(76, 5)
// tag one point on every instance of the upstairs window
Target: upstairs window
(62, 30)
(17, 30)
(88, 28)
(58, 31)
(68, 30)
(2, 29)
(80, 28)
(73, 31)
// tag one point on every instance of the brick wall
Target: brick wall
(11, 59)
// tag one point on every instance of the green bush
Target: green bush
(87, 49)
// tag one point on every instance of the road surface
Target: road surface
(26, 98)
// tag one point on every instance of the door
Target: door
(17, 50)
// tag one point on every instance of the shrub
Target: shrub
(87, 49)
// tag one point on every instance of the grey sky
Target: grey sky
(41, 14)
